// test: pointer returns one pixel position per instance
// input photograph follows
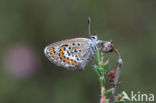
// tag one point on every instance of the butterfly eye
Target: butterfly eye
(93, 37)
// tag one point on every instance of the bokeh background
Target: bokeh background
(27, 26)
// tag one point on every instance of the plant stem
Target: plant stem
(117, 72)
(107, 47)
(103, 98)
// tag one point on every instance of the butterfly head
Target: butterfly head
(94, 39)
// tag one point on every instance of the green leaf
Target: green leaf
(119, 99)
(121, 94)
(104, 65)
(98, 54)
(108, 91)
(97, 71)
(101, 70)
(109, 68)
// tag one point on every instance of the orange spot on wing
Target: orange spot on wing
(52, 52)
(65, 59)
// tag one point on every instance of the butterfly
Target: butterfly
(72, 53)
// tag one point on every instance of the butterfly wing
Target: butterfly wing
(71, 53)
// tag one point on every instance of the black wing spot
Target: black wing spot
(69, 47)
(78, 44)
(68, 53)
(75, 51)
(73, 44)
(78, 59)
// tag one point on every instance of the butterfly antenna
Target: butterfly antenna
(89, 26)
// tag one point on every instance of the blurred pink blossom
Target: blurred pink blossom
(21, 61)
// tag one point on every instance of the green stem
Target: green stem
(98, 54)
(102, 81)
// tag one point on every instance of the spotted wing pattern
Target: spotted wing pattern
(72, 53)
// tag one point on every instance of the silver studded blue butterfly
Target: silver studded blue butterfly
(72, 53)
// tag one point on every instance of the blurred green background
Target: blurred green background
(27, 26)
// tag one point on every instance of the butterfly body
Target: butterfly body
(72, 53)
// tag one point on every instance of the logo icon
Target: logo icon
(138, 97)
(125, 96)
